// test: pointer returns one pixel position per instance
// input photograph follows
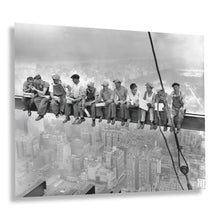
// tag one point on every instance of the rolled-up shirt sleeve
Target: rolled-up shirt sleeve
(183, 98)
(82, 92)
(96, 93)
(101, 96)
(128, 98)
(170, 99)
(51, 88)
(126, 93)
(46, 85)
(25, 87)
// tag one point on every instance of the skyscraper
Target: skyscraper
(144, 167)
(132, 170)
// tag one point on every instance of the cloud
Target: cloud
(191, 72)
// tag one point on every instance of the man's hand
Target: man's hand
(56, 98)
(108, 102)
(149, 105)
(182, 110)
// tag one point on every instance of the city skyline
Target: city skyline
(99, 54)
(103, 156)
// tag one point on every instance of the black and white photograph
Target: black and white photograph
(101, 111)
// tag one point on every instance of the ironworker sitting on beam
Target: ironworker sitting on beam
(28, 95)
(58, 95)
(105, 97)
(91, 99)
(177, 106)
(42, 97)
(74, 101)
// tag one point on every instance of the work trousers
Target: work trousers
(178, 116)
(76, 107)
(123, 108)
(58, 106)
(109, 106)
(93, 109)
(129, 109)
(143, 114)
(41, 104)
(27, 102)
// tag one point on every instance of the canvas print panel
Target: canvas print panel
(107, 111)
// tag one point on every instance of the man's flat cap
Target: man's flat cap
(38, 76)
(149, 84)
(55, 76)
(91, 84)
(117, 81)
(105, 83)
(75, 76)
(175, 84)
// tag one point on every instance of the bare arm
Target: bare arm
(41, 92)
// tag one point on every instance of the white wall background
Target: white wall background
(188, 16)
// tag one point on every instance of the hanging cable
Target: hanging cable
(183, 168)
(177, 176)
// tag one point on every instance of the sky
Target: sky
(52, 43)
(102, 53)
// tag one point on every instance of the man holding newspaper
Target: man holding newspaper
(75, 99)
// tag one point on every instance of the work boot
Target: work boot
(29, 113)
(75, 121)
(127, 123)
(108, 121)
(138, 125)
(66, 119)
(82, 119)
(177, 130)
(113, 121)
(93, 122)
(155, 126)
(39, 118)
(122, 122)
(100, 120)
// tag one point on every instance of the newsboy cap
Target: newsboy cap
(105, 83)
(117, 81)
(91, 84)
(149, 84)
(55, 76)
(175, 84)
(38, 76)
(75, 76)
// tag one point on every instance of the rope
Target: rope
(183, 169)
(155, 59)
(174, 167)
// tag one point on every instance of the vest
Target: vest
(148, 98)
(90, 95)
(40, 87)
(58, 90)
(177, 102)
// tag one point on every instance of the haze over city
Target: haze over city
(98, 54)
